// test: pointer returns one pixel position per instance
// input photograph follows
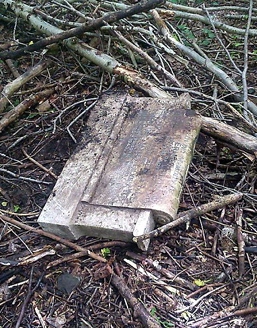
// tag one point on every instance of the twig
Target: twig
(191, 306)
(17, 176)
(211, 98)
(11, 87)
(199, 18)
(245, 89)
(25, 303)
(168, 274)
(148, 58)
(29, 295)
(221, 42)
(38, 164)
(14, 113)
(140, 311)
(206, 63)
(241, 243)
(81, 254)
(78, 117)
(224, 314)
(186, 217)
(53, 237)
(197, 10)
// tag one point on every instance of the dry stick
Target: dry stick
(77, 255)
(53, 237)
(25, 303)
(241, 243)
(11, 116)
(204, 62)
(199, 210)
(11, 87)
(148, 58)
(111, 17)
(229, 135)
(225, 314)
(39, 165)
(221, 101)
(244, 73)
(139, 310)
(168, 274)
(12, 68)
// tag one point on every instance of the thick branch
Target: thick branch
(229, 135)
(100, 59)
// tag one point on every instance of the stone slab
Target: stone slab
(128, 170)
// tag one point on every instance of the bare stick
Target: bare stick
(138, 307)
(106, 62)
(11, 116)
(186, 217)
(53, 237)
(148, 58)
(244, 73)
(204, 62)
(77, 255)
(39, 165)
(11, 87)
(240, 242)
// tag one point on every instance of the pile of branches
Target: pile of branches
(141, 45)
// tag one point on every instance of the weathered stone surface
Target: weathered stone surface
(128, 172)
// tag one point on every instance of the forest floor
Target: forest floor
(199, 281)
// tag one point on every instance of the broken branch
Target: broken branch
(188, 215)
(11, 116)
(53, 237)
(13, 86)
(230, 135)
(138, 307)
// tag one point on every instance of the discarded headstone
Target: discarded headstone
(128, 171)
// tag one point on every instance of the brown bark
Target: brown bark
(230, 135)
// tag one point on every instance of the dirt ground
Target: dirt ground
(191, 276)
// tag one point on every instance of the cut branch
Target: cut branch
(100, 59)
(230, 135)
(53, 237)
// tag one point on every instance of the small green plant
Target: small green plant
(186, 31)
(16, 208)
(105, 252)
